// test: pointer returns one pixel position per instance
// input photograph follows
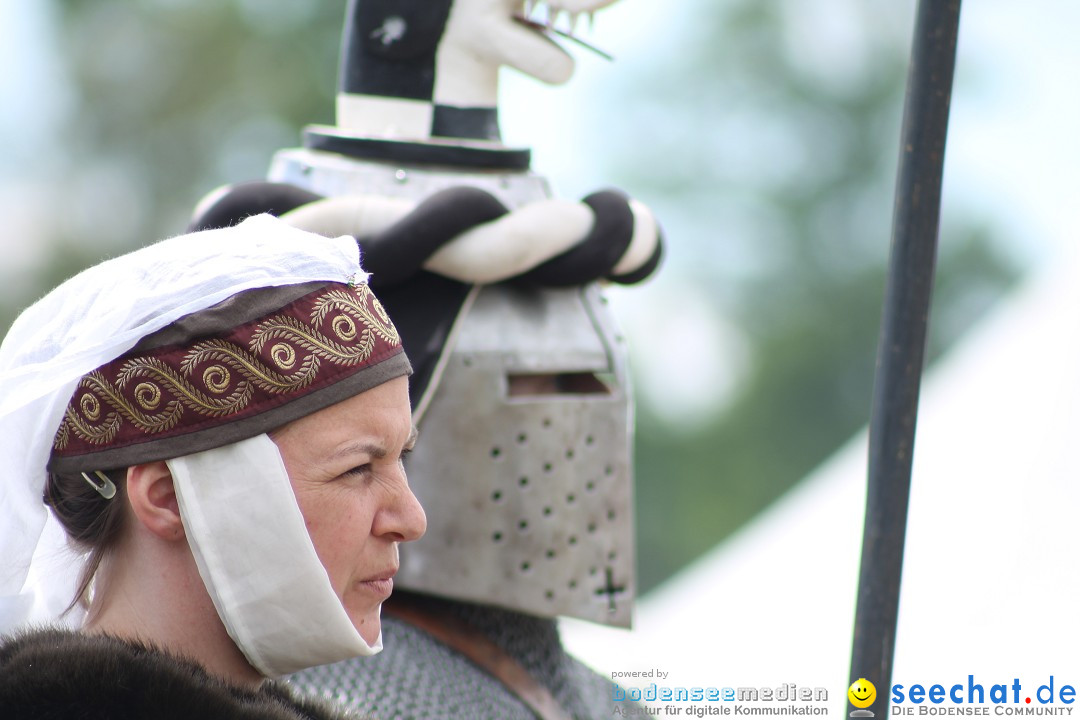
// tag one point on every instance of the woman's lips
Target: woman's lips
(381, 585)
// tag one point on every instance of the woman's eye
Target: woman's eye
(359, 470)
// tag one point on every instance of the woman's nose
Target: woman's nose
(403, 517)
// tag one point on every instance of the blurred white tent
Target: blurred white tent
(990, 581)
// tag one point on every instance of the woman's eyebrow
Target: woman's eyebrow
(360, 447)
(366, 447)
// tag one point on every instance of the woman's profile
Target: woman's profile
(217, 423)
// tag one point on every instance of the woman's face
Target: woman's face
(345, 466)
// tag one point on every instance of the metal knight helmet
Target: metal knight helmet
(520, 390)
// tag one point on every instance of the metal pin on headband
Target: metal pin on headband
(106, 489)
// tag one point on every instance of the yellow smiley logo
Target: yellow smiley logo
(862, 693)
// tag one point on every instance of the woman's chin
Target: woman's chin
(371, 631)
(368, 624)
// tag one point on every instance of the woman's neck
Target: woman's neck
(159, 598)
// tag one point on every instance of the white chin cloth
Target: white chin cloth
(257, 561)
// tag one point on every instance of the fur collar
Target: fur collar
(63, 674)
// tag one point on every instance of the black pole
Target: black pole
(902, 343)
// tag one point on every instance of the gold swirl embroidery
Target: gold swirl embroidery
(313, 341)
(96, 434)
(90, 406)
(344, 327)
(288, 335)
(374, 318)
(165, 419)
(186, 393)
(284, 355)
(383, 319)
(99, 433)
(147, 395)
(217, 378)
(250, 366)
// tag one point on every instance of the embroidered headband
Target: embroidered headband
(184, 390)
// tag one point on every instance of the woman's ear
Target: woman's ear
(152, 498)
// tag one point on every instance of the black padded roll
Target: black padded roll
(398, 252)
(646, 269)
(251, 198)
(598, 252)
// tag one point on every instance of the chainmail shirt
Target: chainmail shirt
(416, 677)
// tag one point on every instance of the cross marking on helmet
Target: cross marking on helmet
(610, 588)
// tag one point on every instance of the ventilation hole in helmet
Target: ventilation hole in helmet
(546, 422)
(570, 499)
(570, 454)
(592, 571)
(523, 481)
(496, 496)
(466, 361)
(590, 486)
(522, 438)
(496, 452)
(550, 554)
(610, 514)
(572, 584)
(550, 594)
(525, 566)
(523, 525)
(496, 536)
(589, 440)
(611, 555)
(592, 527)
(608, 470)
(572, 540)
(547, 511)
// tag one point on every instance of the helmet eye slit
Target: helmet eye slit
(545, 384)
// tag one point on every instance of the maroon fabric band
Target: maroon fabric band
(326, 337)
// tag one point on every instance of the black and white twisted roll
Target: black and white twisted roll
(466, 234)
